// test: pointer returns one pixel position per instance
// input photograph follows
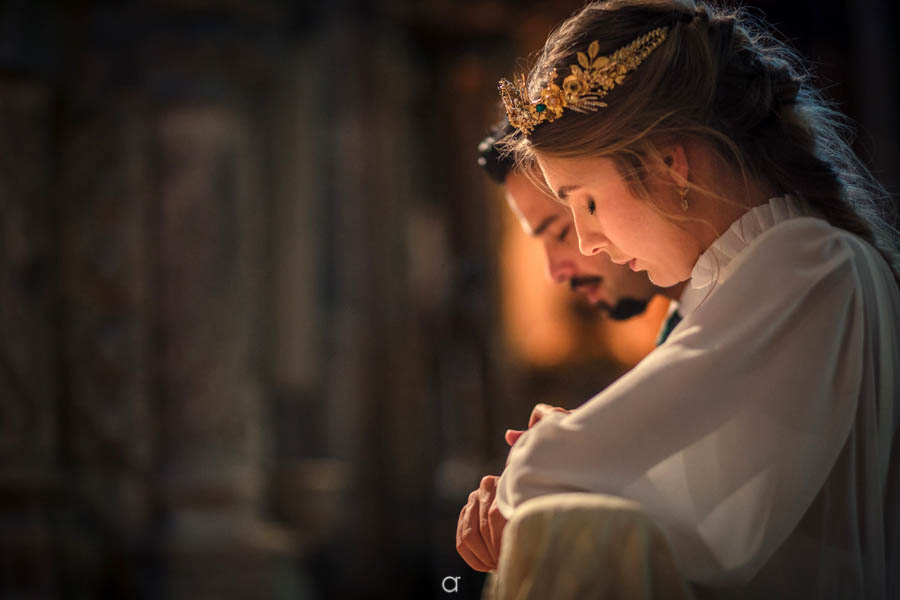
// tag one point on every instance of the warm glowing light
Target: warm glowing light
(535, 312)
(540, 323)
(630, 341)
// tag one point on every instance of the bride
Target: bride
(761, 436)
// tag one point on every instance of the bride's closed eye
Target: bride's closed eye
(591, 205)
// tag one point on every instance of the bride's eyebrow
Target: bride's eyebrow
(563, 192)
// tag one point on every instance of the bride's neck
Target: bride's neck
(728, 199)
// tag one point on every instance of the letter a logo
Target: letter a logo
(450, 590)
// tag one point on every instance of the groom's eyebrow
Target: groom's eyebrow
(544, 225)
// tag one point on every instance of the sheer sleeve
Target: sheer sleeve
(725, 433)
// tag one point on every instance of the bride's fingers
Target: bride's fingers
(469, 532)
(542, 410)
(512, 435)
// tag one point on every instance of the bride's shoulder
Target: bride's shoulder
(800, 253)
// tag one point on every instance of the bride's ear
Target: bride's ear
(676, 161)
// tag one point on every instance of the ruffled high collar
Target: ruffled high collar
(714, 264)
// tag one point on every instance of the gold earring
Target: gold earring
(684, 200)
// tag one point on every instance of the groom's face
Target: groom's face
(615, 289)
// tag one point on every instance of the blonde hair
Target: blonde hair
(721, 79)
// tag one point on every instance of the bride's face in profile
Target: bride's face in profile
(610, 218)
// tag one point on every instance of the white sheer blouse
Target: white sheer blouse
(761, 435)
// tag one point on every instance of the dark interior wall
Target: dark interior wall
(249, 341)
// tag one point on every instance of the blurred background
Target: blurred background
(263, 321)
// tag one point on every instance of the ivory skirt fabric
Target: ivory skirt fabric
(584, 546)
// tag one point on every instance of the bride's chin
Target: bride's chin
(662, 280)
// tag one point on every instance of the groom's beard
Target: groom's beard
(625, 308)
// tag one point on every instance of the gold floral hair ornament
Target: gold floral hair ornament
(590, 80)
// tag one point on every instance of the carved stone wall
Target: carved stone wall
(133, 217)
(30, 480)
